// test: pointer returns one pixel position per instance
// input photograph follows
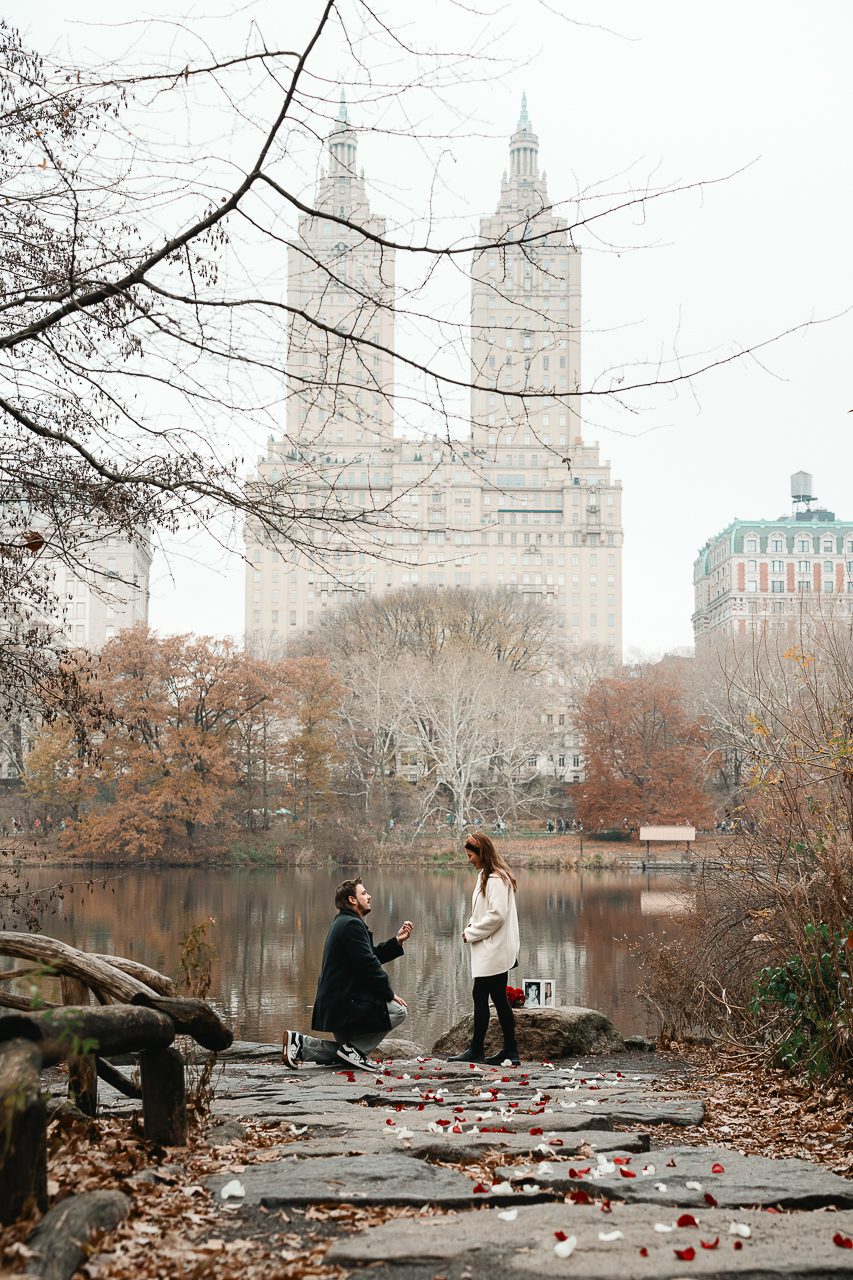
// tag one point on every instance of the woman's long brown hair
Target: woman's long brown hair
(493, 862)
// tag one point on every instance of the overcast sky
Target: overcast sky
(621, 92)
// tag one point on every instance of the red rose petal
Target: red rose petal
(627, 1173)
(555, 1142)
(687, 1220)
(710, 1244)
(580, 1197)
(480, 1189)
(718, 1168)
(579, 1173)
(670, 1164)
(621, 1159)
(738, 1244)
(389, 1121)
(685, 1255)
(560, 1235)
(535, 1131)
(644, 1253)
(843, 1242)
(709, 1199)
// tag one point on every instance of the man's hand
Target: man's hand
(405, 931)
(400, 1000)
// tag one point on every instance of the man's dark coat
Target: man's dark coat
(353, 991)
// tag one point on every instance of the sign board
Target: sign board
(668, 833)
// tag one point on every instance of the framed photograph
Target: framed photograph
(539, 993)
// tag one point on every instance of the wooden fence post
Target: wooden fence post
(23, 1130)
(82, 1068)
(164, 1097)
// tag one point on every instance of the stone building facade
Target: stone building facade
(774, 573)
(522, 503)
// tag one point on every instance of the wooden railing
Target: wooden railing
(137, 1012)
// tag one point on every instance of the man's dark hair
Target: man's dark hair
(345, 891)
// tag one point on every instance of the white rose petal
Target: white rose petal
(502, 1189)
(649, 1170)
(405, 1133)
(233, 1189)
(508, 1215)
(693, 1186)
(740, 1229)
(530, 1187)
(565, 1248)
(662, 1227)
(544, 1168)
(660, 1186)
(607, 1236)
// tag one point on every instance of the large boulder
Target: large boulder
(543, 1034)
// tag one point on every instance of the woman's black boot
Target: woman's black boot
(506, 1055)
(468, 1055)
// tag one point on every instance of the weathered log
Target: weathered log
(164, 1097)
(60, 1241)
(150, 977)
(82, 1076)
(8, 1001)
(63, 959)
(23, 1139)
(191, 1018)
(111, 1075)
(74, 1029)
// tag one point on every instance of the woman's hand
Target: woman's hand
(464, 939)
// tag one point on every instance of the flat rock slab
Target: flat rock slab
(686, 1175)
(461, 1148)
(389, 1179)
(484, 1245)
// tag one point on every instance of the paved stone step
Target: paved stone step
(379, 1179)
(683, 1176)
(465, 1147)
(483, 1245)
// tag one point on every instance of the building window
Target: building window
(804, 566)
(778, 566)
(777, 585)
(751, 544)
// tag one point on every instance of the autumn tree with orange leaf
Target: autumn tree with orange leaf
(171, 768)
(645, 756)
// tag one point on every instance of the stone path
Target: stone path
(540, 1169)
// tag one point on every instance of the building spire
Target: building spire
(524, 147)
(342, 109)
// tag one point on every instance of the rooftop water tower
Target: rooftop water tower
(802, 488)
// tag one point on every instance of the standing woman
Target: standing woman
(492, 935)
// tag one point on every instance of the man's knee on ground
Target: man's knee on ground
(397, 1013)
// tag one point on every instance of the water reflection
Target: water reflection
(576, 927)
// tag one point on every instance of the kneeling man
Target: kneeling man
(355, 1000)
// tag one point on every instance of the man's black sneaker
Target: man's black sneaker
(291, 1049)
(355, 1058)
(468, 1055)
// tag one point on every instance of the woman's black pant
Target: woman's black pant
(494, 987)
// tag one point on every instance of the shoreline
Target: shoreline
(528, 851)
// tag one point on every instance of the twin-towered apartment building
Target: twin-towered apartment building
(519, 502)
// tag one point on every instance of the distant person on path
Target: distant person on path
(492, 936)
(355, 1000)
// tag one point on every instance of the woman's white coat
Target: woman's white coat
(492, 931)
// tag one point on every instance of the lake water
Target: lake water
(270, 924)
